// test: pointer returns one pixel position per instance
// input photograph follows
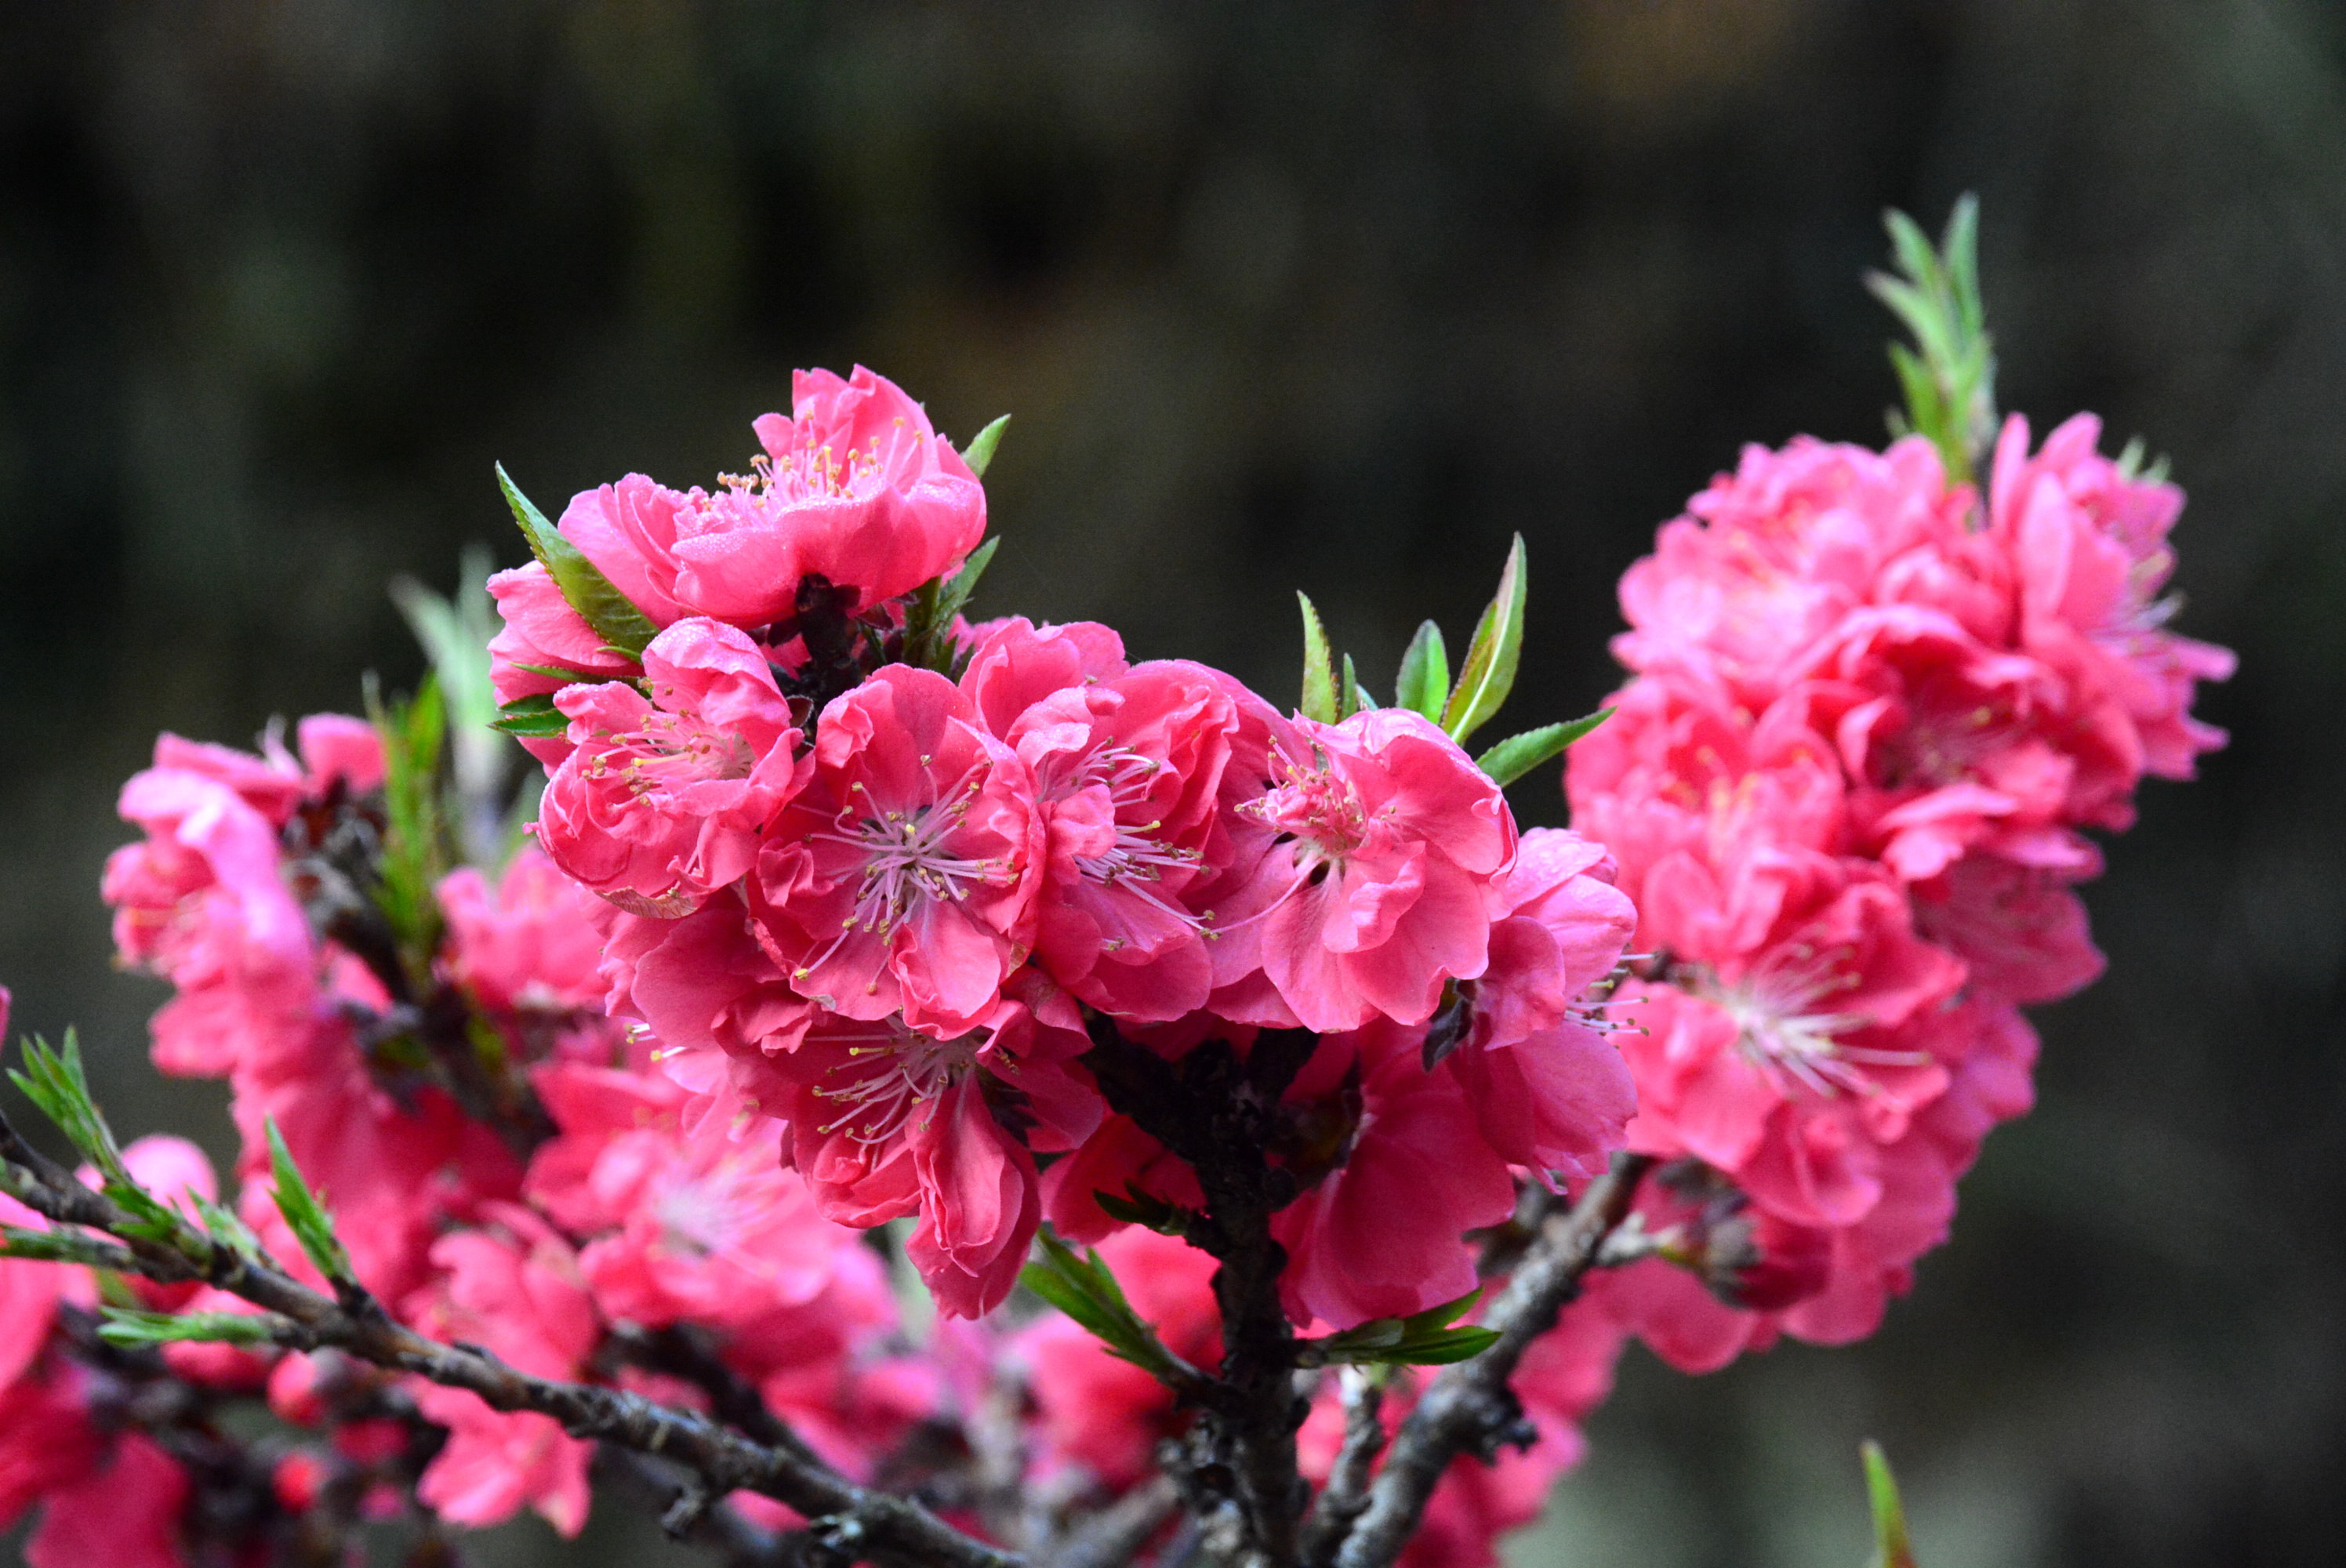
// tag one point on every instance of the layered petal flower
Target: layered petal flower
(663, 801)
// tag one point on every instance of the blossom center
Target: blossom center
(1318, 807)
(1786, 1027)
(670, 751)
(890, 1074)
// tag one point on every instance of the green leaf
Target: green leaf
(625, 629)
(1519, 754)
(1442, 1316)
(307, 1218)
(1086, 1291)
(532, 715)
(1891, 1547)
(1424, 686)
(1948, 377)
(416, 849)
(1319, 673)
(53, 1080)
(979, 453)
(1355, 699)
(131, 1328)
(1421, 1339)
(55, 1246)
(1489, 672)
(929, 609)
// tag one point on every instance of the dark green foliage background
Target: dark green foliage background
(1282, 296)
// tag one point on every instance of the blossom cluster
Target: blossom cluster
(885, 902)
(504, 1167)
(844, 919)
(1872, 716)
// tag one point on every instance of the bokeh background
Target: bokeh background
(1333, 297)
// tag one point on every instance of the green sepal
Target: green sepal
(533, 717)
(1318, 670)
(132, 1329)
(979, 453)
(1489, 673)
(929, 609)
(1891, 1547)
(305, 1217)
(623, 628)
(1424, 686)
(1519, 754)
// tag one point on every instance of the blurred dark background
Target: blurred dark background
(1284, 296)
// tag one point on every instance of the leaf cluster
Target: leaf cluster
(1424, 685)
(1949, 375)
(1086, 1290)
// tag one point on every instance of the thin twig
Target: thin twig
(853, 1520)
(1346, 1495)
(1469, 1409)
(1114, 1535)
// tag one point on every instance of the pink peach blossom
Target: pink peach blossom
(1378, 887)
(901, 879)
(663, 801)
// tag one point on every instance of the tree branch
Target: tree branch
(1470, 1409)
(852, 1521)
(1346, 1495)
(1221, 1114)
(1114, 1535)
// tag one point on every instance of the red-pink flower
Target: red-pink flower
(529, 943)
(1949, 745)
(517, 1291)
(710, 1229)
(900, 880)
(1786, 1051)
(1773, 557)
(886, 1120)
(663, 801)
(1377, 886)
(200, 902)
(123, 1513)
(2088, 546)
(1549, 1090)
(1381, 1235)
(1130, 767)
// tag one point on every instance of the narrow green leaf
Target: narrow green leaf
(979, 453)
(531, 715)
(55, 1247)
(1892, 1549)
(1442, 1350)
(1355, 699)
(1424, 686)
(307, 1220)
(1489, 673)
(929, 609)
(1519, 754)
(613, 616)
(1948, 376)
(1319, 673)
(132, 1329)
(53, 1080)
(1441, 1316)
